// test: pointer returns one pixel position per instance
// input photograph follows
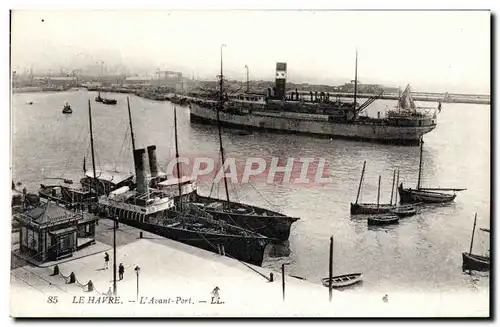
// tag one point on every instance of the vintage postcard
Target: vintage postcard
(232, 163)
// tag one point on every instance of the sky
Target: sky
(435, 51)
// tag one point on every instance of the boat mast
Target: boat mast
(473, 230)
(378, 191)
(355, 83)
(221, 104)
(92, 146)
(361, 181)
(392, 189)
(131, 129)
(420, 165)
(396, 195)
(177, 158)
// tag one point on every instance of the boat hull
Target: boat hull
(415, 196)
(406, 135)
(404, 212)
(370, 208)
(475, 262)
(250, 250)
(380, 221)
(277, 226)
(343, 280)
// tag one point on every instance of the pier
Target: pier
(418, 96)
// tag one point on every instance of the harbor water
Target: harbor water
(422, 253)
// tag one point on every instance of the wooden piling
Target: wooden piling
(330, 270)
(283, 279)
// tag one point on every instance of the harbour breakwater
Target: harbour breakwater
(154, 94)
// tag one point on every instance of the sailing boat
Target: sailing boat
(267, 222)
(425, 195)
(474, 261)
(401, 210)
(369, 208)
(385, 219)
(406, 107)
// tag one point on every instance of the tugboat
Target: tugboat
(98, 97)
(67, 109)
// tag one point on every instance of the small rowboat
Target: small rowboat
(404, 211)
(108, 101)
(343, 280)
(383, 220)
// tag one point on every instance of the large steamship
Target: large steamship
(317, 116)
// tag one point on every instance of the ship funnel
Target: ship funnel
(140, 170)
(153, 165)
(280, 80)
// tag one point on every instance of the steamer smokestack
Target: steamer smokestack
(280, 80)
(140, 170)
(153, 165)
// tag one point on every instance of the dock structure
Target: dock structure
(177, 280)
(417, 96)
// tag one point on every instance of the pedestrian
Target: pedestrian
(106, 260)
(121, 270)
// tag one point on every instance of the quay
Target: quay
(177, 280)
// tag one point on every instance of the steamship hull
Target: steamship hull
(361, 131)
(273, 225)
(247, 249)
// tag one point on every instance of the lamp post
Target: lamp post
(137, 271)
(115, 221)
(248, 87)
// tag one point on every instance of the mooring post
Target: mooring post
(330, 270)
(283, 279)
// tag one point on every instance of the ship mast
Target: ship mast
(177, 158)
(221, 104)
(355, 83)
(131, 129)
(420, 165)
(92, 147)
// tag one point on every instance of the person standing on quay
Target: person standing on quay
(121, 270)
(106, 260)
